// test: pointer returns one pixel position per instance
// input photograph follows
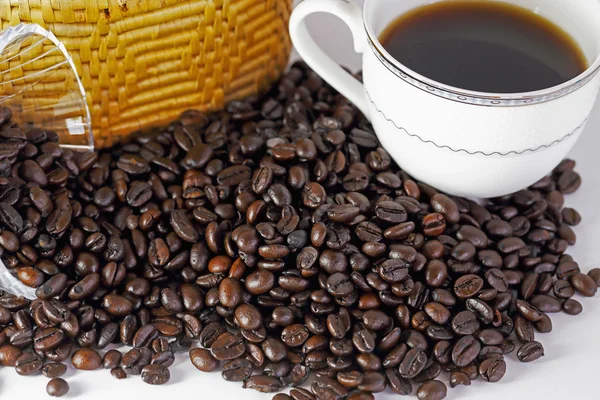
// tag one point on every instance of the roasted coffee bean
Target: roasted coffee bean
(544, 325)
(468, 286)
(11, 218)
(572, 307)
(294, 335)
(458, 378)
(155, 374)
(391, 212)
(118, 373)
(183, 226)
(54, 370)
(203, 360)
(530, 351)
(166, 358)
(528, 311)
(227, 347)
(524, 329)
(584, 284)
(57, 387)
(248, 317)
(373, 382)
(301, 394)
(135, 360)
(297, 376)
(429, 373)
(492, 369)
(413, 363)
(465, 351)
(350, 379)
(437, 312)
(28, 364)
(434, 224)
(465, 323)
(237, 370)
(86, 359)
(9, 355)
(48, 339)
(261, 383)
(432, 390)
(22, 338)
(481, 309)
(111, 359)
(545, 303)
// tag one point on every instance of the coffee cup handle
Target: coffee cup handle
(320, 61)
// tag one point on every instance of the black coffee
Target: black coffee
(484, 46)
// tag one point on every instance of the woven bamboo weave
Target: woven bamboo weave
(144, 62)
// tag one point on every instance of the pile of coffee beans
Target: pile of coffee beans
(274, 241)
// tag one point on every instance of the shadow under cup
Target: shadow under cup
(478, 144)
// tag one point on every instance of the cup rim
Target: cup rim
(487, 98)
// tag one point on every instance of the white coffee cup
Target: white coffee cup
(462, 142)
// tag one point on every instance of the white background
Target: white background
(568, 371)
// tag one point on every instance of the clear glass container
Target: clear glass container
(39, 82)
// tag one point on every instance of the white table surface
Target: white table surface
(568, 371)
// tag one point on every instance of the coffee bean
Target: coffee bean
(572, 307)
(227, 347)
(135, 360)
(468, 286)
(274, 349)
(28, 364)
(373, 382)
(544, 325)
(473, 235)
(294, 335)
(528, 311)
(86, 359)
(432, 390)
(571, 216)
(155, 374)
(458, 378)
(111, 359)
(118, 373)
(413, 363)
(481, 309)
(569, 182)
(584, 284)
(203, 360)
(10, 217)
(54, 370)
(117, 305)
(47, 339)
(492, 369)
(545, 303)
(530, 351)
(490, 337)
(248, 317)
(261, 383)
(57, 387)
(465, 351)
(237, 370)
(524, 329)
(437, 312)
(465, 323)
(183, 226)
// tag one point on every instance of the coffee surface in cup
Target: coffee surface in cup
(484, 46)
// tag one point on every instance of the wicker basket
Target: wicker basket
(144, 62)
